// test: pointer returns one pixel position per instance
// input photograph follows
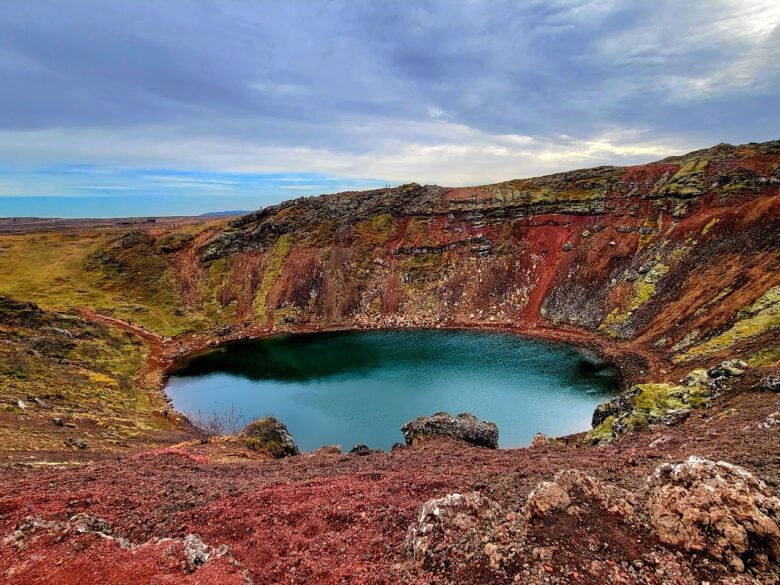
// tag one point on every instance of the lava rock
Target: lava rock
(541, 439)
(360, 449)
(456, 523)
(727, 369)
(269, 434)
(465, 427)
(570, 488)
(77, 443)
(675, 417)
(770, 384)
(716, 507)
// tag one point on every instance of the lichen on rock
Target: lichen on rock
(462, 536)
(570, 489)
(662, 403)
(717, 507)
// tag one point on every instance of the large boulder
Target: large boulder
(716, 507)
(467, 538)
(271, 435)
(466, 427)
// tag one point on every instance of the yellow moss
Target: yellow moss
(657, 397)
(766, 357)
(376, 231)
(762, 316)
(273, 269)
(98, 378)
(644, 290)
(601, 433)
(709, 225)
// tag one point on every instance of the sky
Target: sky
(143, 107)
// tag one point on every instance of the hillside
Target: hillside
(665, 269)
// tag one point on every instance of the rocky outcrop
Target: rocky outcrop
(698, 505)
(570, 488)
(718, 508)
(271, 435)
(361, 449)
(465, 427)
(463, 537)
(770, 384)
(663, 403)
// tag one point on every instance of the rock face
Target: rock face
(465, 427)
(270, 434)
(719, 508)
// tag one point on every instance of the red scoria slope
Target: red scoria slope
(332, 518)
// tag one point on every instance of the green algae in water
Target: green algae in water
(360, 387)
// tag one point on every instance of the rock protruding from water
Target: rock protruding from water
(719, 508)
(465, 427)
(271, 435)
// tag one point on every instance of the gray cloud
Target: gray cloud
(468, 90)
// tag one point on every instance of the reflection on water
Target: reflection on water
(347, 388)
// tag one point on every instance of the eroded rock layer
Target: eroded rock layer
(680, 256)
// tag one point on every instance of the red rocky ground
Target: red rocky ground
(328, 517)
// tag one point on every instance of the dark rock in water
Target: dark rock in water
(360, 449)
(770, 384)
(465, 427)
(271, 435)
(77, 443)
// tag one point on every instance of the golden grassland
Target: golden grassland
(67, 270)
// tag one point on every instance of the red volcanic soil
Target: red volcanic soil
(327, 517)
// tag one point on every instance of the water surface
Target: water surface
(360, 387)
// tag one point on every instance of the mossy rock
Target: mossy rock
(269, 434)
(645, 404)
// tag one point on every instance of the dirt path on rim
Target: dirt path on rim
(156, 362)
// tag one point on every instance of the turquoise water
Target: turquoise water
(360, 387)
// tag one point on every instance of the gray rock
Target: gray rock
(360, 449)
(465, 427)
(77, 443)
(727, 369)
(269, 434)
(770, 384)
(675, 417)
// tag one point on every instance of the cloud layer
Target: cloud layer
(445, 91)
